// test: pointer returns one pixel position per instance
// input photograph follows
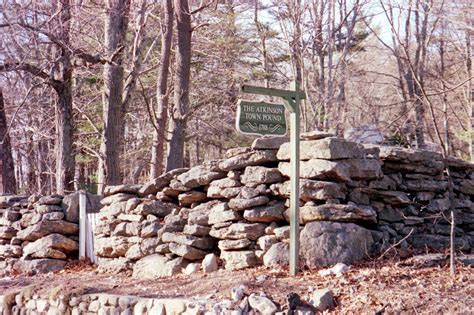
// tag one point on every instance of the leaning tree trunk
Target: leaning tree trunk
(7, 172)
(175, 157)
(157, 152)
(116, 23)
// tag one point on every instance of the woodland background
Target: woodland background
(104, 92)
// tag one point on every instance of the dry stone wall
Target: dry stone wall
(355, 200)
(37, 234)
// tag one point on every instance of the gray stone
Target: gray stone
(53, 216)
(234, 244)
(262, 304)
(199, 176)
(218, 216)
(261, 175)
(323, 300)
(282, 232)
(150, 229)
(154, 207)
(237, 231)
(188, 198)
(390, 197)
(111, 247)
(266, 241)
(426, 185)
(225, 183)
(319, 169)
(269, 143)
(125, 188)
(337, 212)
(176, 185)
(209, 263)
(327, 243)
(39, 265)
(235, 260)
(364, 169)
(190, 240)
(53, 241)
(148, 245)
(239, 204)
(42, 209)
(192, 268)
(389, 214)
(277, 255)
(273, 213)
(43, 228)
(248, 193)
(236, 151)
(311, 190)
(157, 184)
(50, 200)
(11, 215)
(9, 251)
(107, 201)
(186, 251)
(196, 230)
(227, 193)
(252, 158)
(127, 229)
(156, 265)
(316, 135)
(7, 232)
(327, 148)
(426, 260)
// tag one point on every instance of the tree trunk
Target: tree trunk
(64, 139)
(158, 153)
(115, 30)
(62, 73)
(7, 171)
(181, 86)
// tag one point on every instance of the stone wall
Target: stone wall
(355, 200)
(38, 234)
(29, 302)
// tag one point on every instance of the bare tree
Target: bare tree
(158, 153)
(116, 24)
(175, 158)
(7, 173)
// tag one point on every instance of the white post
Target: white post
(82, 224)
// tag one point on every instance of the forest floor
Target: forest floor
(370, 287)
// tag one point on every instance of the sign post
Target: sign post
(291, 99)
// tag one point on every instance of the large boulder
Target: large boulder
(39, 265)
(43, 228)
(327, 243)
(277, 255)
(337, 212)
(248, 159)
(237, 231)
(261, 175)
(311, 190)
(199, 176)
(332, 148)
(242, 259)
(53, 241)
(319, 169)
(70, 205)
(156, 265)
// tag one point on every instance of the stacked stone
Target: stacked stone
(237, 207)
(412, 199)
(37, 234)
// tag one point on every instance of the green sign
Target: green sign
(261, 118)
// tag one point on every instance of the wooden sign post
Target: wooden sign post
(291, 100)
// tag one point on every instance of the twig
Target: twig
(396, 244)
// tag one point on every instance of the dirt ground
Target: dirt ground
(370, 287)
